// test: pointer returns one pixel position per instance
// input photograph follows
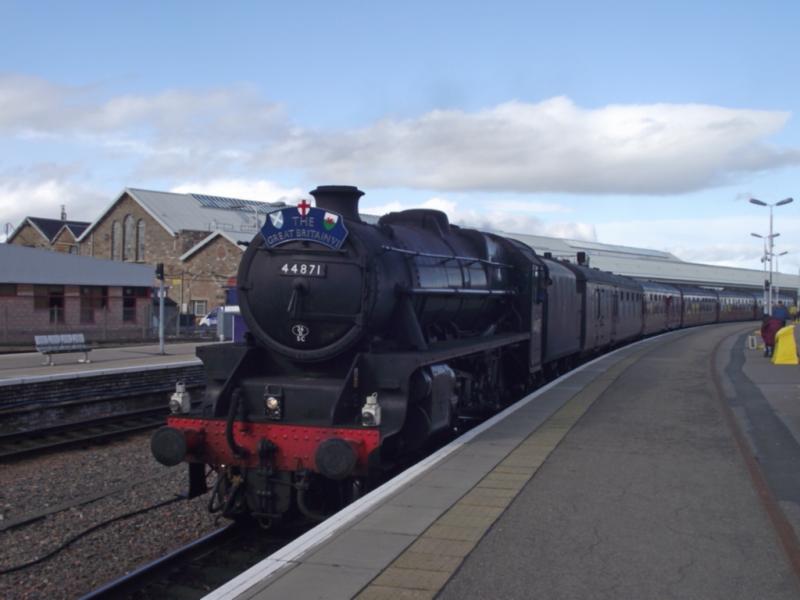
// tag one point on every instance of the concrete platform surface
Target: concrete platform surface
(622, 479)
(29, 365)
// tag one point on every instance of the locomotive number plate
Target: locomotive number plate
(304, 269)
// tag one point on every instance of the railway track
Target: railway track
(33, 441)
(201, 566)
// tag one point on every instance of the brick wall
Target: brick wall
(101, 387)
(20, 321)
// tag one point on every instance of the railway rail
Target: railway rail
(202, 565)
(33, 441)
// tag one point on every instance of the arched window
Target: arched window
(116, 241)
(140, 240)
(129, 238)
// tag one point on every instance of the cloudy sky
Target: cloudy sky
(641, 123)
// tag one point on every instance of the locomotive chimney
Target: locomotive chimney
(342, 199)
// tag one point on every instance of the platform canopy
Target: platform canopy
(19, 264)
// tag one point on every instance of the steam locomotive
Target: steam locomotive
(367, 343)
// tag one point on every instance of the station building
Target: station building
(59, 235)
(196, 237)
(45, 292)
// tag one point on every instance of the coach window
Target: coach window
(51, 299)
(8, 289)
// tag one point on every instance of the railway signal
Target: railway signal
(160, 277)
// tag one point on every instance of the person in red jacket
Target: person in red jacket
(769, 327)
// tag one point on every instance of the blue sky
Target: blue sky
(640, 123)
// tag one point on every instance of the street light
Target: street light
(771, 237)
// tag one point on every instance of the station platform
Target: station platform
(667, 469)
(28, 367)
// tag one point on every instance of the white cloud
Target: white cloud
(40, 192)
(508, 218)
(724, 241)
(549, 146)
(266, 191)
(173, 133)
(552, 146)
(36, 106)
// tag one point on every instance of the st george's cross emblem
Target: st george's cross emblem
(277, 219)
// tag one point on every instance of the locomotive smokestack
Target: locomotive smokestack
(342, 199)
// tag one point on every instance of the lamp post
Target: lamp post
(771, 242)
(767, 258)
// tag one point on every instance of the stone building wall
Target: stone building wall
(189, 239)
(65, 241)
(30, 236)
(208, 271)
(158, 246)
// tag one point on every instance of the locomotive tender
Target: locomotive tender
(368, 342)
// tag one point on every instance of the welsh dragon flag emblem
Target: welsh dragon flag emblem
(329, 221)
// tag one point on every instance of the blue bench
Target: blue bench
(62, 344)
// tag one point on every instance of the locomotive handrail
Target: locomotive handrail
(457, 292)
(446, 257)
(311, 250)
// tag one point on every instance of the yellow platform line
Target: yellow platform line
(424, 568)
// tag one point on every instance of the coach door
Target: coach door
(614, 325)
(602, 317)
(597, 318)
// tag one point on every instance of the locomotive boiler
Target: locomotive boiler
(366, 343)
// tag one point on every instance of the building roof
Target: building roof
(76, 227)
(19, 264)
(654, 265)
(566, 248)
(49, 228)
(196, 212)
(76, 230)
(234, 237)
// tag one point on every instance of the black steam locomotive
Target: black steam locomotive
(368, 343)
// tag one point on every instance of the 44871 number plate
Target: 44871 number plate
(293, 269)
